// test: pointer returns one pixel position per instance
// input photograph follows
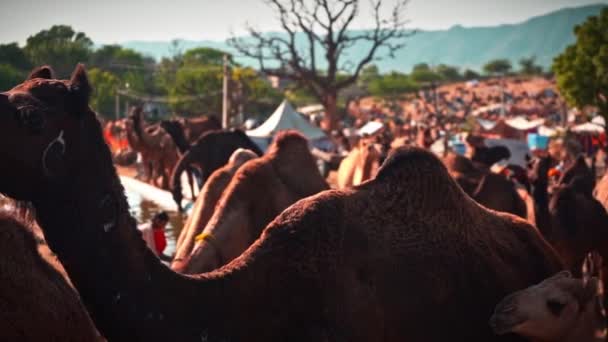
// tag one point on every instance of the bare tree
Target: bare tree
(315, 29)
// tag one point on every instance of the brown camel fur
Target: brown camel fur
(489, 189)
(247, 206)
(137, 145)
(360, 165)
(159, 147)
(210, 152)
(36, 302)
(205, 206)
(559, 309)
(569, 217)
(601, 191)
(406, 256)
(175, 130)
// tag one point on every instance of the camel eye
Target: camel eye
(555, 307)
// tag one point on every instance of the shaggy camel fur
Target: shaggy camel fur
(159, 148)
(360, 165)
(205, 206)
(489, 189)
(569, 217)
(247, 205)
(209, 153)
(559, 309)
(406, 256)
(36, 302)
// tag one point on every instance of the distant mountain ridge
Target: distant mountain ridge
(543, 36)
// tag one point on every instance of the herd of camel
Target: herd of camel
(420, 248)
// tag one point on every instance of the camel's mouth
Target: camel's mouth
(505, 322)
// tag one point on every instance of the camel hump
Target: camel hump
(419, 178)
(241, 155)
(288, 137)
(405, 159)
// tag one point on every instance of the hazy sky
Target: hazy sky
(114, 21)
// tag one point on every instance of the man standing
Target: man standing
(154, 233)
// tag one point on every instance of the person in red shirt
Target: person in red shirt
(154, 233)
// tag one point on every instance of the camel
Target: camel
(601, 191)
(569, 217)
(246, 206)
(159, 148)
(205, 206)
(194, 128)
(36, 302)
(176, 131)
(210, 152)
(360, 165)
(391, 259)
(489, 189)
(560, 308)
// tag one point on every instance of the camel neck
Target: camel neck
(180, 140)
(129, 293)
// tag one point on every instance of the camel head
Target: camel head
(560, 308)
(42, 121)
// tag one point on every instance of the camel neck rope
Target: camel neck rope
(59, 140)
(210, 239)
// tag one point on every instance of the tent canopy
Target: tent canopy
(285, 117)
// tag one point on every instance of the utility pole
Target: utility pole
(225, 95)
(117, 105)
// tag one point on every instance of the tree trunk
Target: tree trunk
(330, 103)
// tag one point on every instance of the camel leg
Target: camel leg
(164, 177)
(191, 183)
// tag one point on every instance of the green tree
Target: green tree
(424, 75)
(470, 75)
(448, 73)
(104, 92)
(368, 74)
(203, 56)
(528, 66)
(116, 58)
(10, 76)
(13, 55)
(197, 89)
(582, 69)
(498, 67)
(393, 85)
(60, 46)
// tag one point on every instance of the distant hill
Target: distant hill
(544, 37)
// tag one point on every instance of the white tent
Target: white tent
(524, 124)
(588, 128)
(284, 117)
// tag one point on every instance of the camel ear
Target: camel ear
(44, 71)
(80, 88)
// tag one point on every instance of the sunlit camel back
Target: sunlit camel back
(205, 205)
(559, 309)
(374, 262)
(260, 190)
(36, 302)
